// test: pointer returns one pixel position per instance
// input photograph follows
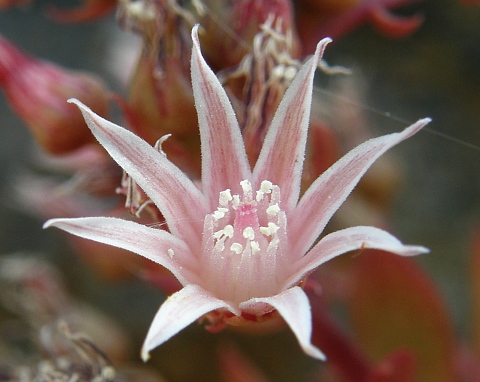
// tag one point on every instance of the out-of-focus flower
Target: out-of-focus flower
(258, 83)
(12, 3)
(232, 26)
(240, 246)
(37, 90)
(66, 340)
(90, 10)
(160, 97)
(319, 18)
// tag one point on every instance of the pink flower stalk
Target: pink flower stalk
(242, 245)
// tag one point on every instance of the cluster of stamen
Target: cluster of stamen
(252, 228)
(245, 244)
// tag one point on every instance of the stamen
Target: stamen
(249, 233)
(259, 196)
(237, 248)
(236, 201)
(225, 197)
(218, 214)
(278, 71)
(290, 73)
(246, 187)
(217, 235)
(159, 144)
(266, 186)
(270, 230)
(228, 230)
(273, 209)
(255, 246)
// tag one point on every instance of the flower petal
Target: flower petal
(281, 158)
(151, 243)
(331, 188)
(169, 188)
(179, 311)
(346, 240)
(224, 159)
(294, 307)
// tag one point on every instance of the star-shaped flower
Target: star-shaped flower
(242, 244)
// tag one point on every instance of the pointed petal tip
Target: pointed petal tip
(314, 352)
(83, 108)
(321, 47)
(145, 354)
(413, 250)
(77, 102)
(49, 223)
(419, 124)
(195, 40)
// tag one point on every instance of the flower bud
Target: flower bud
(160, 102)
(38, 91)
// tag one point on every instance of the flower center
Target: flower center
(243, 243)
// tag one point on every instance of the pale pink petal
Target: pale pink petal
(294, 307)
(282, 155)
(154, 244)
(346, 240)
(224, 160)
(179, 311)
(331, 189)
(180, 202)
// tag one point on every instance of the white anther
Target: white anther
(170, 252)
(228, 230)
(140, 10)
(266, 186)
(255, 246)
(249, 233)
(259, 196)
(237, 248)
(270, 230)
(225, 197)
(290, 73)
(236, 201)
(278, 71)
(246, 187)
(273, 209)
(217, 235)
(218, 214)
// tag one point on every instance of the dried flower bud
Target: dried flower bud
(225, 47)
(38, 90)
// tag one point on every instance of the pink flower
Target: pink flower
(243, 244)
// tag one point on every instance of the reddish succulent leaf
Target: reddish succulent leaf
(235, 367)
(475, 288)
(397, 367)
(395, 306)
